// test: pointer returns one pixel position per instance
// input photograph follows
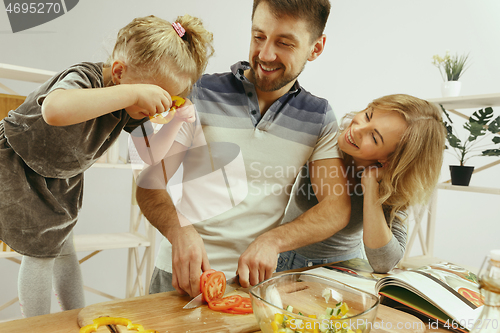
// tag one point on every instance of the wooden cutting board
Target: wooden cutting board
(163, 312)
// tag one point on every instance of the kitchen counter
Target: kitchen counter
(60, 322)
(67, 321)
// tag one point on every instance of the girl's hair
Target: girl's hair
(412, 170)
(150, 47)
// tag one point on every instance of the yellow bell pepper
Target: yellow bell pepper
(104, 321)
(165, 117)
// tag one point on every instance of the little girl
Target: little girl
(66, 125)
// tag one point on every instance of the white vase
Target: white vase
(451, 88)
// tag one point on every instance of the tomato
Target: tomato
(204, 278)
(225, 303)
(214, 287)
(243, 308)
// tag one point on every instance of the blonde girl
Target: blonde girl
(393, 152)
(66, 125)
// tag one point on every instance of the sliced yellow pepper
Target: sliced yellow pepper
(344, 308)
(104, 321)
(165, 117)
(278, 317)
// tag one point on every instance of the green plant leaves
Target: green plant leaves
(480, 123)
(491, 152)
(446, 114)
(475, 129)
(453, 65)
(494, 126)
(453, 140)
(482, 116)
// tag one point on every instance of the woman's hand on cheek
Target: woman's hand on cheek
(372, 174)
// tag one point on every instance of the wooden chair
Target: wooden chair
(9, 102)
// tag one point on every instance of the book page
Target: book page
(463, 283)
(359, 282)
(433, 292)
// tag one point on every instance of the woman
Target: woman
(393, 152)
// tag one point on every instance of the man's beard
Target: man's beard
(268, 85)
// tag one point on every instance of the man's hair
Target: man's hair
(314, 12)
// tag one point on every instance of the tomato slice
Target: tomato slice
(215, 286)
(225, 303)
(244, 307)
(204, 278)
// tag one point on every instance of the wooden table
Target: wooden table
(67, 322)
(60, 322)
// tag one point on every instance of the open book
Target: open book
(443, 294)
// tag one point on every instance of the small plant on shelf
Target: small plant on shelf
(452, 66)
(480, 126)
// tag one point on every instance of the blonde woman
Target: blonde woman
(393, 152)
(66, 125)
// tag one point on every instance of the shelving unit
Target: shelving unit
(419, 213)
(139, 266)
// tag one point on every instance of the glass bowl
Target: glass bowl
(309, 303)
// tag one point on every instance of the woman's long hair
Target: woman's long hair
(412, 170)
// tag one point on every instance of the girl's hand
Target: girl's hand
(372, 174)
(186, 112)
(150, 100)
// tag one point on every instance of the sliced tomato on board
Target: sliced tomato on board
(225, 303)
(204, 278)
(214, 287)
(244, 307)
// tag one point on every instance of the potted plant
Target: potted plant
(480, 126)
(451, 69)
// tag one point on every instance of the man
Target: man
(277, 127)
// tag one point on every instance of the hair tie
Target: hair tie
(179, 29)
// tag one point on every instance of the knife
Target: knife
(197, 301)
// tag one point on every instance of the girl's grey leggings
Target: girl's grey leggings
(37, 277)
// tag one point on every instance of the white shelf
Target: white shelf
(112, 165)
(95, 242)
(429, 212)
(24, 73)
(475, 189)
(99, 242)
(468, 102)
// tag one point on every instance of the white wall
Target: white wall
(373, 48)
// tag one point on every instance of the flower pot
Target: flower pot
(460, 174)
(451, 88)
